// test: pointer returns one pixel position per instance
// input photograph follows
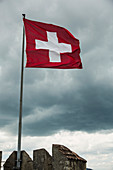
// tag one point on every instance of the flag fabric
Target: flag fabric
(51, 46)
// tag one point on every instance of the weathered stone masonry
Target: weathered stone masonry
(42, 160)
(62, 159)
(65, 159)
(27, 163)
(0, 159)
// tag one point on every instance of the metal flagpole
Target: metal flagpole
(20, 111)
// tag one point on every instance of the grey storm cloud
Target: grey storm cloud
(87, 108)
(58, 99)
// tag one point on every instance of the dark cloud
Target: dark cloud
(89, 110)
(50, 106)
(58, 99)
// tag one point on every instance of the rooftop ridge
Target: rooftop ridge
(68, 153)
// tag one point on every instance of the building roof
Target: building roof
(68, 153)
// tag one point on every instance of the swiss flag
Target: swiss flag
(51, 46)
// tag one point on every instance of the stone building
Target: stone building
(11, 161)
(0, 159)
(65, 159)
(42, 160)
(62, 159)
(27, 163)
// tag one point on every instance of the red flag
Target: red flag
(51, 46)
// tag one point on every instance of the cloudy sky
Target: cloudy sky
(69, 107)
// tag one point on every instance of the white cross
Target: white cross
(54, 47)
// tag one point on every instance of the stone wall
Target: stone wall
(42, 160)
(65, 159)
(0, 159)
(62, 159)
(11, 161)
(27, 163)
(59, 160)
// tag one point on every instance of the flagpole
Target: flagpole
(20, 111)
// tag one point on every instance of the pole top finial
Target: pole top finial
(23, 15)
